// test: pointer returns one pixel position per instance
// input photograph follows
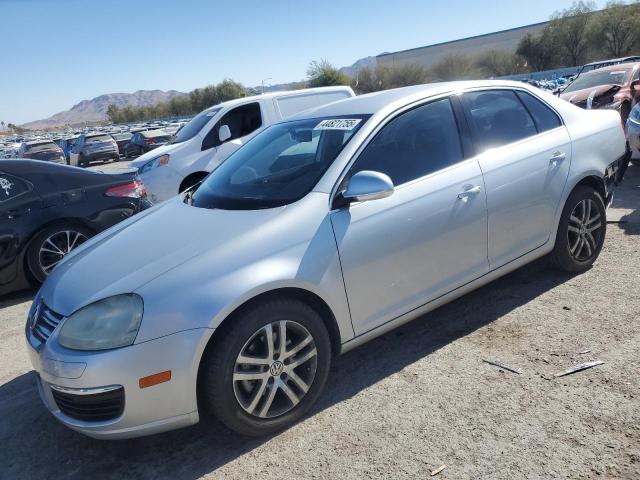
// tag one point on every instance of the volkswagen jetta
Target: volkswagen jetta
(319, 234)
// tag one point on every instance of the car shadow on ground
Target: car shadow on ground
(36, 445)
(626, 200)
(16, 298)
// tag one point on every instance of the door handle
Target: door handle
(557, 158)
(468, 191)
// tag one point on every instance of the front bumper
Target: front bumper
(145, 411)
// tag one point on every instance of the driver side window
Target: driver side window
(242, 121)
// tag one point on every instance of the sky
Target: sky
(56, 53)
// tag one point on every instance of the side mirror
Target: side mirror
(224, 133)
(635, 86)
(368, 185)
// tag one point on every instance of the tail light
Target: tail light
(133, 189)
(149, 140)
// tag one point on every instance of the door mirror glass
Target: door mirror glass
(224, 133)
(368, 185)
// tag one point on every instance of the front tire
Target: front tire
(581, 232)
(268, 368)
(51, 245)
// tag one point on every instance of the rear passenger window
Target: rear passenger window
(11, 187)
(545, 118)
(498, 117)
(414, 144)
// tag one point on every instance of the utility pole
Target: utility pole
(264, 80)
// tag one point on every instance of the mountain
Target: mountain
(95, 110)
(352, 70)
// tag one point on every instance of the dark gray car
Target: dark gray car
(93, 147)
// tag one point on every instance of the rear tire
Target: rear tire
(581, 232)
(253, 389)
(51, 245)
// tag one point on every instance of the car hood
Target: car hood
(581, 96)
(156, 152)
(123, 259)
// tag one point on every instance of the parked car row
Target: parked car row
(339, 222)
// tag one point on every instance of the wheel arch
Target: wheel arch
(291, 293)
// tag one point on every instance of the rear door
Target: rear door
(426, 239)
(19, 204)
(524, 152)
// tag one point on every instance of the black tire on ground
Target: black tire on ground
(216, 386)
(33, 251)
(570, 230)
(82, 162)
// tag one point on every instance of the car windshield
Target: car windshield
(98, 138)
(279, 166)
(597, 78)
(192, 128)
(42, 147)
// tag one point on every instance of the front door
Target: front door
(426, 239)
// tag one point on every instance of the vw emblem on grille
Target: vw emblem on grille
(276, 368)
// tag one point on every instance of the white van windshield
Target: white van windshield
(194, 126)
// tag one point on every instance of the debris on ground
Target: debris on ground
(580, 367)
(501, 365)
(583, 352)
(438, 470)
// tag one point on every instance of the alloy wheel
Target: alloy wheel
(56, 246)
(275, 369)
(584, 230)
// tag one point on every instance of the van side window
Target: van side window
(414, 144)
(242, 121)
(498, 118)
(545, 118)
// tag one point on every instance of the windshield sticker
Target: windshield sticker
(5, 185)
(338, 124)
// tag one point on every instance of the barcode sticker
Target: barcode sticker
(338, 124)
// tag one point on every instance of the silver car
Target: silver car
(319, 234)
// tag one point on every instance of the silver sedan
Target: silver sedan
(319, 234)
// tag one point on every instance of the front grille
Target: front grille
(97, 407)
(45, 322)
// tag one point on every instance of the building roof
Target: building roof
(450, 42)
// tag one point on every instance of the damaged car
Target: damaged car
(616, 87)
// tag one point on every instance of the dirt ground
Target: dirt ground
(413, 400)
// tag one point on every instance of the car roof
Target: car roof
(373, 103)
(616, 67)
(154, 133)
(614, 60)
(278, 94)
(38, 142)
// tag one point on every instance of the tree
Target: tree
(569, 32)
(615, 28)
(383, 77)
(498, 63)
(453, 67)
(323, 74)
(537, 51)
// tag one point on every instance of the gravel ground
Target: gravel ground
(413, 400)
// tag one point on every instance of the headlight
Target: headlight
(156, 162)
(109, 323)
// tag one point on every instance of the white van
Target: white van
(214, 134)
